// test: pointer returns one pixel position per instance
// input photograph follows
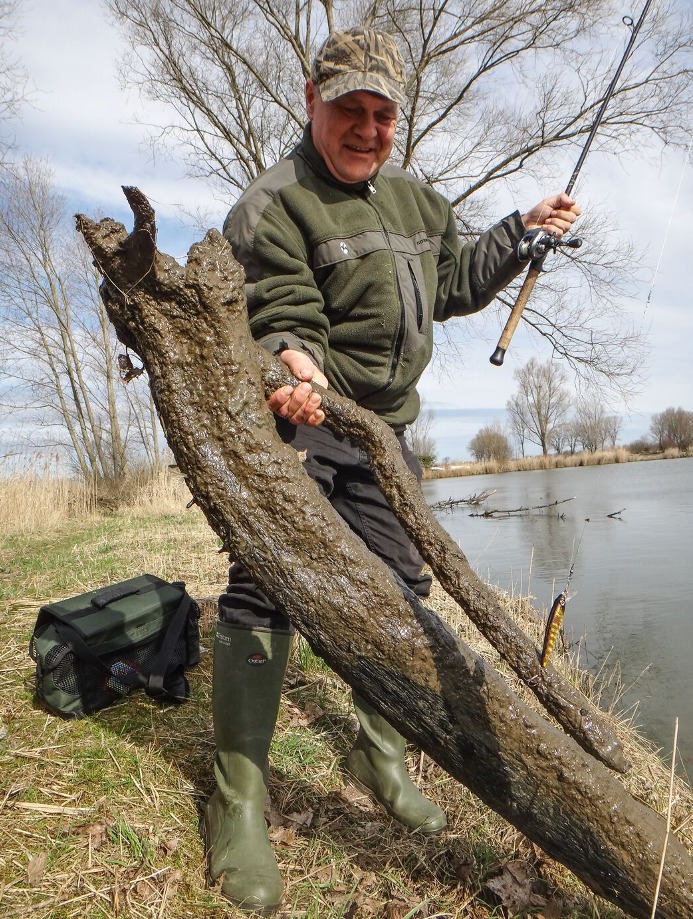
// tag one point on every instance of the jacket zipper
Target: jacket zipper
(417, 296)
(400, 331)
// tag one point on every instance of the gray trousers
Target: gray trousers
(343, 474)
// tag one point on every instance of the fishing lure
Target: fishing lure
(553, 625)
(557, 611)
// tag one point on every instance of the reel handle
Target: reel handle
(516, 313)
(534, 245)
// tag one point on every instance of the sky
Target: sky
(86, 127)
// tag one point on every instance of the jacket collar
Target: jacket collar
(306, 150)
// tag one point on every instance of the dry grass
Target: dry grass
(99, 817)
(552, 461)
(38, 499)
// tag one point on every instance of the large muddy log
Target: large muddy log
(189, 327)
(568, 706)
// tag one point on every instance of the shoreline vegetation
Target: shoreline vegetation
(99, 817)
(551, 461)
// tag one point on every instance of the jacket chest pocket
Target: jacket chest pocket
(414, 299)
(418, 297)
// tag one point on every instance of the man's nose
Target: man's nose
(366, 125)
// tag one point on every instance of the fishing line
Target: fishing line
(555, 618)
(666, 233)
(573, 560)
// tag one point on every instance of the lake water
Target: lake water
(633, 574)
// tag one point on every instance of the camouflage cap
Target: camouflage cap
(359, 59)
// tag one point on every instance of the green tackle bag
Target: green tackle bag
(93, 649)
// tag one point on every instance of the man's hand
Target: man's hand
(299, 404)
(555, 215)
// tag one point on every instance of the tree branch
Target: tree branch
(190, 328)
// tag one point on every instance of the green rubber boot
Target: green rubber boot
(377, 762)
(249, 669)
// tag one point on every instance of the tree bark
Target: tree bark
(190, 329)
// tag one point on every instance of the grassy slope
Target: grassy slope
(99, 817)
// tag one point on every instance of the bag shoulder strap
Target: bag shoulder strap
(155, 682)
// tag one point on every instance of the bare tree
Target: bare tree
(542, 401)
(673, 428)
(485, 111)
(491, 443)
(57, 347)
(594, 428)
(558, 439)
(420, 436)
(518, 432)
(12, 74)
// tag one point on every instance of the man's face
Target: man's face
(354, 133)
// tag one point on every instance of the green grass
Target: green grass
(99, 817)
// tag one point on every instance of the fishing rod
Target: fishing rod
(536, 244)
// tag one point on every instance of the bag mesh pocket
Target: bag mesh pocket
(74, 683)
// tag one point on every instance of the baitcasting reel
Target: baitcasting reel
(535, 244)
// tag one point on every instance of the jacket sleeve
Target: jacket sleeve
(285, 306)
(470, 275)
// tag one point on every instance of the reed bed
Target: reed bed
(552, 461)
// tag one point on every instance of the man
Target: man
(348, 262)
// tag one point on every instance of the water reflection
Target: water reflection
(633, 576)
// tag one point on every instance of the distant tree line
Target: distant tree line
(672, 428)
(539, 413)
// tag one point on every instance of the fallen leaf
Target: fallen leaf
(273, 816)
(282, 835)
(170, 845)
(311, 712)
(36, 868)
(363, 907)
(303, 819)
(369, 881)
(326, 875)
(396, 909)
(463, 868)
(511, 884)
(146, 891)
(96, 833)
(171, 883)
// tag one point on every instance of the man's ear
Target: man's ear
(310, 98)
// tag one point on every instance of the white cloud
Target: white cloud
(85, 125)
(650, 204)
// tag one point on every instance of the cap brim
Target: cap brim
(357, 81)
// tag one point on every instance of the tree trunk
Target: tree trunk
(189, 327)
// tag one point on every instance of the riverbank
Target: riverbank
(100, 816)
(552, 461)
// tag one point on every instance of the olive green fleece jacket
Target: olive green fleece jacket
(356, 274)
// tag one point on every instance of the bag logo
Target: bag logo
(257, 659)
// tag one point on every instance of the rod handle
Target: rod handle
(516, 313)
